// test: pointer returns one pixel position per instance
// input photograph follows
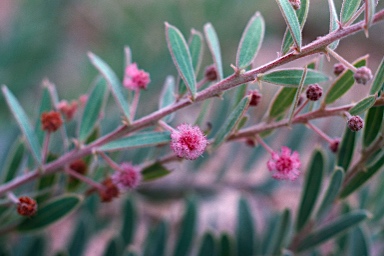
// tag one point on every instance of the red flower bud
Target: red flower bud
(51, 121)
(26, 206)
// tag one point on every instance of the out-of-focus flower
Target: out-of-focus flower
(338, 68)
(109, 192)
(295, 4)
(211, 73)
(26, 206)
(51, 121)
(188, 141)
(255, 98)
(363, 75)
(127, 177)
(284, 166)
(355, 123)
(67, 109)
(334, 145)
(134, 78)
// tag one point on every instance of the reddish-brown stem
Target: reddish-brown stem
(84, 179)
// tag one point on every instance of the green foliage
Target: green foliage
(214, 47)
(245, 230)
(292, 21)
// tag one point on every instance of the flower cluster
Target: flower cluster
(134, 78)
(188, 141)
(355, 123)
(314, 92)
(285, 166)
(127, 177)
(51, 121)
(26, 206)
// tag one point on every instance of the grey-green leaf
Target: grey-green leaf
(129, 221)
(279, 236)
(144, 139)
(346, 149)
(93, 109)
(226, 247)
(154, 171)
(231, 123)
(167, 96)
(282, 101)
(292, 77)
(333, 23)
(332, 229)
(250, 42)
(291, 20)
(359, 242)
(24, 124)
(245, 231)
(156, 241)
(45, 106)
(374, 118)
(207, 245)
(196, 47)
(13, 161)
(181, 57)
(348, 8)
(113, 82)
(214, 47)
(379, 79)
(311, 189)
(363, 105)
(369, 14)
(51, 212)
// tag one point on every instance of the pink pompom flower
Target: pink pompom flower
(128, 177)
(285, 166)
(188, 141)
(134, 78)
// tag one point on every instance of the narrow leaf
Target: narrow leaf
(374, 118)
(196, 47)
(167, 96)
(348, 8)
(114, 83)
(369, 14)
(232, 121)
(363, 105)
(181, 57)
(297, 96)
(346, 149)
(280, 234)
(23, 123)
(113, 247)
(129, 222)
(359, 242)
(93, 109)
(292, 77)
(291, 20)
(379, 79)
(332, 229)
(333, 23)
(79, 238)
(226, 247)
(156, 241)
(45, 106)
(214, 47)
(153, 172)
(208, 245)
(245, 231)
(250, 42)
(282, 101)
(144, 139)
(311, 189)
(13, 162)
(302, 15)
(343, 83)
(51, 212)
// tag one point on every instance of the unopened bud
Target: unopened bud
(109, 192)
(355, 123)
(314, 92)
(211, 73)
(51, 121)
(334, 145)
(363, 75)
(26, 206)
(295, 4)
(338, 68)
(255, 97)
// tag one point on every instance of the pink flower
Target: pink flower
(127, 177)
(188, 141)
(285, 166)
(134, 78)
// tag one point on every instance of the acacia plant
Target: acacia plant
(66, 159)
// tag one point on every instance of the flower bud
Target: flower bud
(127, 178)
(255, 97)
(51, 121)
(363, 75)
(338, 68)
(295, 4)
(211, 73)
(109, 192)
(26, 206)
(314, 92)
(68, 109)
(134, 78)
(355, 123)
(334, 145)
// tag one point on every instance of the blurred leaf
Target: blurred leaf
(153, 172)
(343, 83)
(302, 14)
(297, 96)
(196, 47)
(231, 123)
(369, 14)
(113, 247)
(363, 105)
(359, 243)
(44, 183)
(348, 8)
(242, 122)
(362, 176)
(282, 101)
(156, 240)
(187, 229)
(144, 139)
(51, 212)
(214, 47)
(226, 246)
(292, 77)
(36, 247)
(13, 161)
(250, 42)
(114, 84)
(207, 245)
(332, 192)
(127, 55)
(79, 238)
(379, 79)
(291, 20)
(346, 149)
(374, 122)
(245, 231)
(129, 222)
(311, 189)
(93, 109)
(332, 229)
(23, 123)
(181, 57)
(204, 110)
(167, 96)
(333, 23)
(280, 234)
(45, 106)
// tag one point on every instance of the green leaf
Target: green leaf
(362, 176)
(369, 14)
(282, 101)
(226, 246)
(302, 15)
(280, 234)
(359, 242)
(144, 139)
(379, 79)
(292, 21)
(363, 105)
(250, 42)
(114, 83)
(23, 123)
(231, 123)
(187, 229)
(374, 118)
(156, 241)
(13, 161)
(331, 193)
(44, 184)
(214, 47)
(114, 247)
(196, 47)
(129, 222)
(181, 57)
(333, 23)
(208, 245)
(332, 229)
(348, 8)
(79, 238)
(167, 96)
(292, 77)
(311, 189)
(346, 149)
(93, 109)
(51, 212)
(343, 83)
(297, 96)
(154, 171)
(45, 106)
(245, 231)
